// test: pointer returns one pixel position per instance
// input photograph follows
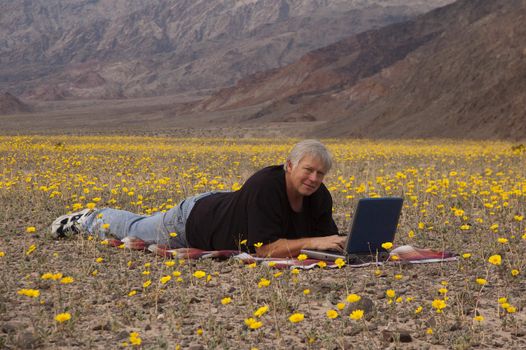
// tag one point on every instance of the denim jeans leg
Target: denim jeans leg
(122, 223)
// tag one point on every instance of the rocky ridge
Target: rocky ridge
(69, 49)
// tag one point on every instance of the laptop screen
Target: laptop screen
(375, 222)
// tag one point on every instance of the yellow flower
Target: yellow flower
(2, 254)
(465, 227)
(481, 281)
(511, 309)
(243, 242)
(439, 304)
(398, 276)
(166, 279)
(502, 300)
(135, 339)
(258, 244)
(105, 226)
(387, 245)
(277, 274)
(322, 264)
(132, 293)
(91, 205)
(145, 273)
(306, 291)
(31, 249)
(47, 276)
(199, 274)
(466, 255)
(394, 257)
(169, 263)
(495, 259)
(31, 229)
(272, 263)
(478, 318)
(33, 293)
(419, 310)
(176, 273)
(302, 257)
(411, 234)
(332, 314)
(104, 242)
(253, 323)
(294, 271)
(63, 317)
(518, 217)
(390, 293)
(226, 300)
(340, 306)
(339, 262)
(147, 284)
(296, 317)
(99, 260)
(356, 315)
(263, 283)
(252, 265)
(502, 240)
(515, 272)
(261, 311)
(429, 331)
(173, 234)
(199, 331)
(353, 298)
(67, 280)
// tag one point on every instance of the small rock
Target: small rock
(27, 340)
(11, 327)
(194, 300)
(401, 335)
(147, 327)
(196, 347)
(364, 304)
(455, 327)
(123, 335)
(102, 327)
(518, 333)
(352, 331)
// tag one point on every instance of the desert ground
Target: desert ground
(466, 197)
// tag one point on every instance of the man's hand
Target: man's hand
(292, 247)
(333, 242)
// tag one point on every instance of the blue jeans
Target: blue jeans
(150, 228)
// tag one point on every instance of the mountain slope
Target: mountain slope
(458, 71)
(56, 49)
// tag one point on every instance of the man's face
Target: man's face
(307, 176)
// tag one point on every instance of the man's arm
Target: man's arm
(291, 247)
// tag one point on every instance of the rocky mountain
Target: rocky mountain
(67, 49)
(9, 104)
(457, 71)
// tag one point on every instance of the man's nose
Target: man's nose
(315, 176)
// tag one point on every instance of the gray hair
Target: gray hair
(313, 148)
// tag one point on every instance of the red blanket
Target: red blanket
(402, 254)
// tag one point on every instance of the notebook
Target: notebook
(375, 222)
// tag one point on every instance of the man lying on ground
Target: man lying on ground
(279, 210)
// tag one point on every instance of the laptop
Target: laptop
(375, 222)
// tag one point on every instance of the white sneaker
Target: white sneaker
(69, 224)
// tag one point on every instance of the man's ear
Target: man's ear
(289, 166)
